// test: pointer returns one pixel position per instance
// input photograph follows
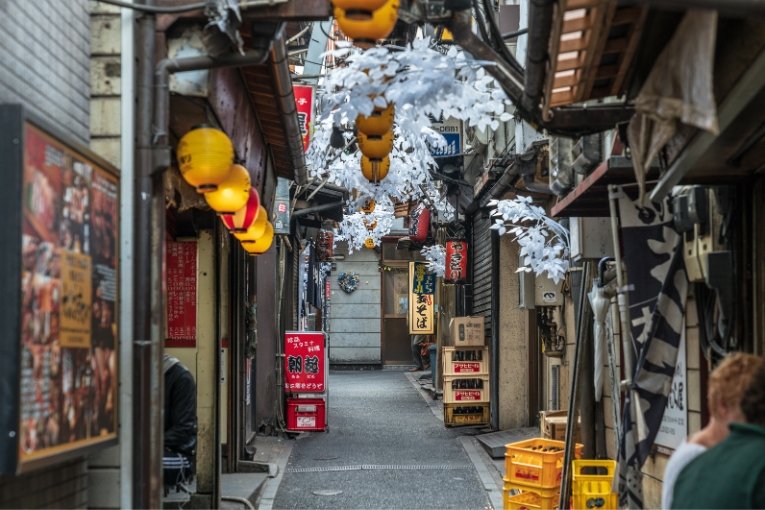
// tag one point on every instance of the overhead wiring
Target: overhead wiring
(156, 9)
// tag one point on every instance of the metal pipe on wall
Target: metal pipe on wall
(127, 158)
(146, 415)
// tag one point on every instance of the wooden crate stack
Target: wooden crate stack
(466, 385)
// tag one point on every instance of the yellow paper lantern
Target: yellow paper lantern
(256, 230)
(232, 192)
(263, 243)
(369, 207)
(365, 30)
(379, 122)
(375, 170)
(359, 8)
(369, 243)
(375, 147)
(205, 156)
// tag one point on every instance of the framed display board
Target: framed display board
(59, 232)
(305, 367)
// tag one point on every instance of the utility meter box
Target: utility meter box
(547, 292)
(539, 291)
(591, 238)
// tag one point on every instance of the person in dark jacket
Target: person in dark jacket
(180, 422)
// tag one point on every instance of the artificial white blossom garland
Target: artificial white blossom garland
(543, 241)
(436, 259)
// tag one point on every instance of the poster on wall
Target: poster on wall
(421, 307)
(181, 268)
(60, 392)
(304, 362)
(674, 424)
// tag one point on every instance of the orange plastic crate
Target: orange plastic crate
(516, 497)
(536, 462)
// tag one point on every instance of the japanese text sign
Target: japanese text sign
(424, 282)
(304, 102)
(456, 261)
(304, 362)
(181, 267)
(421, 307)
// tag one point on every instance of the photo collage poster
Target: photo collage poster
(69, 299)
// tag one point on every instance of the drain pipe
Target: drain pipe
(511, 80)
(287, 106)
(169, 66)
(540, 18)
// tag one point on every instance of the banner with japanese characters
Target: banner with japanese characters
(304, 102)
(304, 362)
(421, 307)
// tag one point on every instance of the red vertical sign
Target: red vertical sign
(304, 365)
(456, 261)
(181, 262)
(304, 102)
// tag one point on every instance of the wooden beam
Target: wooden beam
(292, 10)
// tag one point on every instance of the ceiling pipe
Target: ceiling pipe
(169, 66)
(540, 17)
(525, 91)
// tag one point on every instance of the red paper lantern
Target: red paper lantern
(456, 261)
(241, 220)
(419, 224)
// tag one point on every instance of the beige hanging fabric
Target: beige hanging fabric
(679, 89)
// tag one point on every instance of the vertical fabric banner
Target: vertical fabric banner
(658, 288)
(304, 102)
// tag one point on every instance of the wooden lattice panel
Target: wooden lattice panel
(592, 43)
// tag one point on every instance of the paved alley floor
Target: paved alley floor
(385, 449)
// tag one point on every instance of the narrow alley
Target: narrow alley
(384, 449)
(382, 254)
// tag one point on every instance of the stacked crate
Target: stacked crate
(533, 470)
(466, 385)
(592, 484)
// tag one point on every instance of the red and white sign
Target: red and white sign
(466, 367)
(456, 261)
(181, 261)
(304, 362)
(304, 102)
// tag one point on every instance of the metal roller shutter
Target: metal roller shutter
(481, 270)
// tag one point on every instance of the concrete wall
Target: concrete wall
(44, 65)
(513, 342)
(355, 319)
(45, 61)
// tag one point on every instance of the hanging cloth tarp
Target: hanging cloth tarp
(678, 90)
(658, 288)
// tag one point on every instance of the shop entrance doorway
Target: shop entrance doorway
(395, 342)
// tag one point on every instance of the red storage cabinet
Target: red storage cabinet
(306, 414)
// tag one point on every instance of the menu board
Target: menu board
(304, 362)
(67, 312)
(181, 267)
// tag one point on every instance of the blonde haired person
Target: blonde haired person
(727, 384)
